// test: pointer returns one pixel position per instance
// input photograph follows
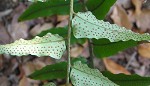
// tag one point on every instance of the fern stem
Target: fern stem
(68, 41)
(91, 62)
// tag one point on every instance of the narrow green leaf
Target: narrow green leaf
(49, 84)
(99, 7)
(104, 48)
(49, 8)
(48, 45)
(55, 71)
(82, 75)
(87, 26)
(128, 80)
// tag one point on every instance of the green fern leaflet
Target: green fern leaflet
(87, 26)
(48, 45)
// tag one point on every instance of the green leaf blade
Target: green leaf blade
(103, 48)
(87, 26)
(99, 8)
(48, 45)
(49, 8)
(54, 71)
(128, 80)
(82, 75)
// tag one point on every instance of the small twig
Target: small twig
(91, 53)
(131, 59)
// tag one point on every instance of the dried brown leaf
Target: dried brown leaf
(143, 21)
(38, 28)
(18, 30)
(114, 67)
(138, 5)
(24, 82)
(29, 68)
(144, 50)
(142, 16)
(120, 17)
(76, 51)
(39, 64)
(62, 18)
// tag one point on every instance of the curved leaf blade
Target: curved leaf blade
(99, 8)
(48, 45)
(49, 72)
(82, 75)
(87, 26)
(128, 80)
(49, 8)
(103, 47)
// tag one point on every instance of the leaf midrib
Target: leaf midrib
(35, 43)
